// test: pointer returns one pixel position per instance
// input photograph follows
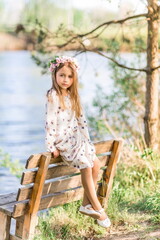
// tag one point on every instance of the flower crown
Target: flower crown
(63, 59)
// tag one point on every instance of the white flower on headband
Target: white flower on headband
(63, 59)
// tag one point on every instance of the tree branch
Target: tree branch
(155, 68)
(117, 63)
(100, 26)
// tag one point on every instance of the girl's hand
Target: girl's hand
(56, 153)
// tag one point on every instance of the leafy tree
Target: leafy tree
(64, 38)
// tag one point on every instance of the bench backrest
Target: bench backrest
(49, 182)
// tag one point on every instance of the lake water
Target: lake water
(22, 103)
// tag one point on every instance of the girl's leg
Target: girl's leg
(88, 184)
(89, 187)
(95, 171)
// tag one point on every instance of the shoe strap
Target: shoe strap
(101, 210)
(88, 206)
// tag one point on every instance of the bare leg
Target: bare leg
(95, 171)
(90, 192)
(89, 188)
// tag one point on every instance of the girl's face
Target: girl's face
(64, 77)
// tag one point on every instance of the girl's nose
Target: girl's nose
(66, 79)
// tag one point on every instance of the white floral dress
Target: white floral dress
(68, 134)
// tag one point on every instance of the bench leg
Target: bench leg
(25, 226)
(19, 226)
(5, 223)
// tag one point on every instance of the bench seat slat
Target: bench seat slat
(51, 187)
(51, 200)
(53, 172)
(7, 209)
(8, 198)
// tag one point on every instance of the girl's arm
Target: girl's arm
(51, 122)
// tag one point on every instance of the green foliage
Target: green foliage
(123, 107)
(140, 44)
(150, 204)
(78, 18)
(34, 10)
(14, 166)
(112, 45)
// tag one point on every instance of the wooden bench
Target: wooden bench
(48, 182)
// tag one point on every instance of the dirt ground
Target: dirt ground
(9, 42)
(138, 235)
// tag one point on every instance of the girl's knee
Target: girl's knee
(87, 171)
(96, 162)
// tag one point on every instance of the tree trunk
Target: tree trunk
(152, 81)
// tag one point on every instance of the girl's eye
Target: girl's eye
(70, 76)
(61, 75)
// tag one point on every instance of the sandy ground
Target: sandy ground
(9, 42)
(140, 235)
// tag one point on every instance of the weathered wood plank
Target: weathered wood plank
(53, 172)
(19, 226)
(8, 198)
(51, 201)
(66, 197)
(105, 188)
(7, 209)
(5, 222)
(52, 187)
(38, 184)
(33, 161)
(28, 228)
(11, 237)
(101, 147)
(30, 218)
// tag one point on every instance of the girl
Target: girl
(67, 134)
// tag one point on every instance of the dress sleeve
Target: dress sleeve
(82, 122)
(51, 121)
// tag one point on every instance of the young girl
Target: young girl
(67, 133)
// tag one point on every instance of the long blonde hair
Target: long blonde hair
(73, 89)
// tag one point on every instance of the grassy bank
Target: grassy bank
(134, 203)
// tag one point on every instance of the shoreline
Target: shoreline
(14, 42)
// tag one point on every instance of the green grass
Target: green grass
(65, 222)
